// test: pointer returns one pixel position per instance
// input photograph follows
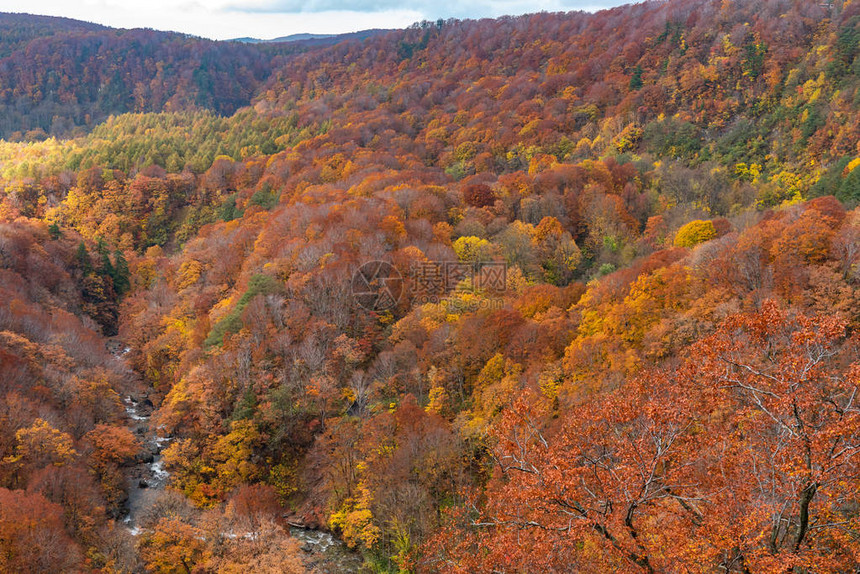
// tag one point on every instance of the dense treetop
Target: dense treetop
(662, 378)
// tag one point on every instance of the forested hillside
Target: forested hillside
(61, 77)
(554, 293)
(18, 30)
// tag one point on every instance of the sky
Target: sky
(265, 19)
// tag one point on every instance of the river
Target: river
(147, 478)
(323, 553)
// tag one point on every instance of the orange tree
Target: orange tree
(744, 459)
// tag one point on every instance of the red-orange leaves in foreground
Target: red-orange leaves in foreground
(792, 431)
(32, 538)
(744, 459)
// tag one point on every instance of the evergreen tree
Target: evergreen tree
(105, 267)
(54, 231)
(636, 78)
(121, 275)
(83, 258)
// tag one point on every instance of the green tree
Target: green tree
(636, 78)
(106, 267)
(83, 258)
(121, 274)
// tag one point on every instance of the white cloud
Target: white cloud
(224, 19)
(428, 8)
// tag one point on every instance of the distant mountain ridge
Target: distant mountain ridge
(315, 39)
(62, 77)
(17, 30)
(290, 38)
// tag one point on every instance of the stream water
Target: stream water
(146, 478)
(323, 553)
(326, 554)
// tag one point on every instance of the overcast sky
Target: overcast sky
(223, 19)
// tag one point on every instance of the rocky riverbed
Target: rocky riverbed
(323, 553)
(147, 477)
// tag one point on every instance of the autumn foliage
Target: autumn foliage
(741, 457)
(624, 336)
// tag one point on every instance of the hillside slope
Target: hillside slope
(58, 75)
(772, 83)
(554, 293)
(18, 30)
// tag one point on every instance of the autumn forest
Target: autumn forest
(564, 292)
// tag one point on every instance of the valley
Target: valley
(560, 292)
